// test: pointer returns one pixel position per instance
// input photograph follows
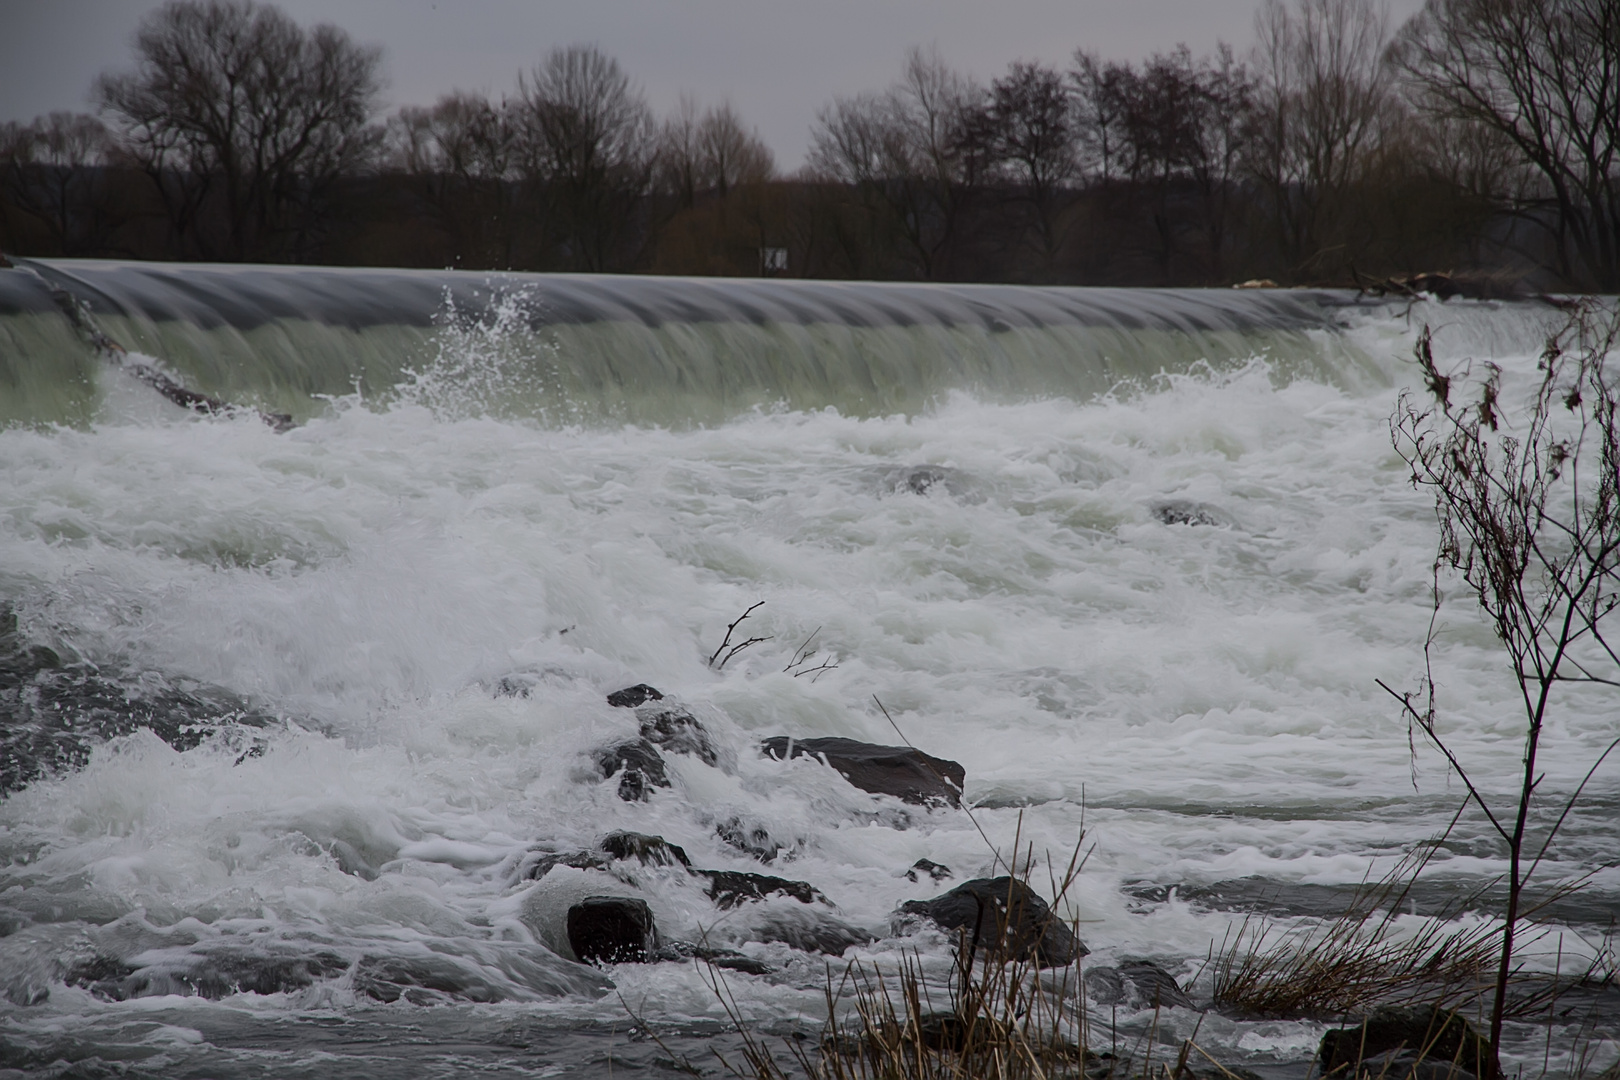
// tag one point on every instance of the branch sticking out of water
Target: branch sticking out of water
(735, 649)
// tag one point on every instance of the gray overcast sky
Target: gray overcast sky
(777, 60)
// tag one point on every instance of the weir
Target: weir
(568, 349)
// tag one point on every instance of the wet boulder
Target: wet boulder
(1440, 1040)
(927, 867)
(631, 696)
(904, 772)
(676, 731)
(536, 864)
(1135, 984)
(209, 973)
(612, 930)
(729, 888)
(638, 765)
(647, 850)
(1189, 512)
(750, 838)
(55, 709)
(807, 930)
(1002, 917)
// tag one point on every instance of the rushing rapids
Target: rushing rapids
(309, 758)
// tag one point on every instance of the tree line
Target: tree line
(1480, 136)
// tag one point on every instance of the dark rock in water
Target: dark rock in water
(207, 975)
(639, 766)
(728, 959)
(921, 479)
(518, 684)
(648, 850)
(420, 981)
(612, 930)
(750, 839)
(729, 888)
(1188, 512)
(1406, 1065)
(54, 711)
(1136, 984)
(809, 930)
(631, 696)
(537, 864)
(677, 731)
(934, 870)
(942, 1031)
(103, 976)
(1002, 916)
(1153, 987)
(1436, 1035)
(906, 773)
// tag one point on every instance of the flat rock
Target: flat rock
(729, 959)
(1004, 917)
(906, 773)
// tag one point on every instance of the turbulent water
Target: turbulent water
(336, 686)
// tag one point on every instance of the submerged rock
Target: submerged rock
(1003, 917)
(55, 710)
(1188, 512)
(902, 771)
(729, 888)
(638, 765)
(211, 974)
(921, 479)
(728, 959)
(1403, 1036)
(631, 696)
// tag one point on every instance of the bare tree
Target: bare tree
(1100, 92)
(1322, 105)
(461, 153)
(731, 154)
(907, 151)
(1545, 76)
(680, 152)
(235, 102)
(1528, 502)
(588, 147)
(1224, 105)
(50, 169)
(1036, 138)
